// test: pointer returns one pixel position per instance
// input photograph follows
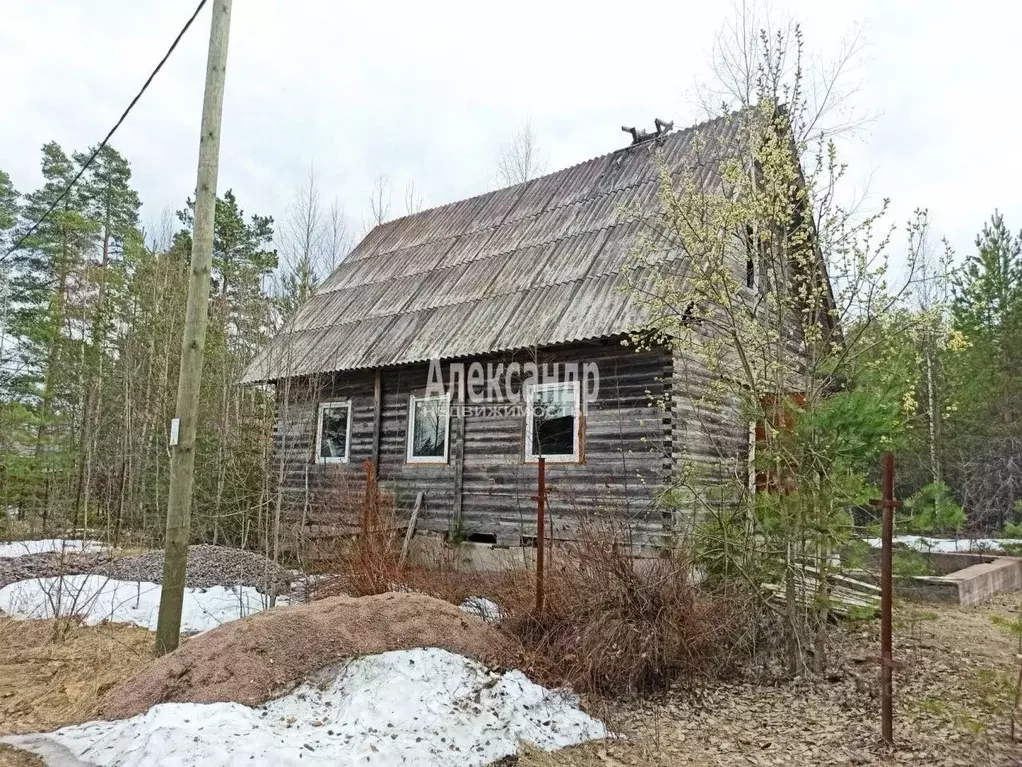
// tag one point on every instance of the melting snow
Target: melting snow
(411, 707)
(947, 545)
(485, 608)
(21, 548)
(97, 598)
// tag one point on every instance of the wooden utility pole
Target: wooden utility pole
(182, 458)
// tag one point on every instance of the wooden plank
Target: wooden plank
(377, 421)
(411, 530)
(459, 465)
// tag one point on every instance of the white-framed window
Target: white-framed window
(553, 417)
(333, 432)
(429, 429)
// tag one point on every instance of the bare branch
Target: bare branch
(414, 201)
(337, 237)
(520, 159)
(379, 202)
(754, 54)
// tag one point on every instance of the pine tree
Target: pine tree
(111, 203)
(9, 209)
(989, 289)
(46, 323)
(11, 413)
(232, 433)
(987, 309)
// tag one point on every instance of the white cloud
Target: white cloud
(428, 91)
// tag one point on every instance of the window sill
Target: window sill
(322, 461)
(553, 459)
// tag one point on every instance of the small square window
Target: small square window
(552, 422)
(429, 420)
(333, 432)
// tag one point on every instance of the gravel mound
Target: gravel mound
(263, 656)
(207, 566)
(49, 565)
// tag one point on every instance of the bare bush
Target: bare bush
(369, 563)
(612, 624)
(991, 481)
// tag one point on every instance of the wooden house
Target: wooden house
(492, 294)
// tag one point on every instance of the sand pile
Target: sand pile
(265, 655)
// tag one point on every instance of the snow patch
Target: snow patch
(409, 707)
(17, 549)
(485, 608)
(948, 545)
(97, 598)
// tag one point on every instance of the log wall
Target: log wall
(485, 490)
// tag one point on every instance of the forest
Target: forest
(91, 318)
(91, 315)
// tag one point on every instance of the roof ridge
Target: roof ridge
(670, 134)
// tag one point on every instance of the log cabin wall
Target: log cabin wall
(485, 489)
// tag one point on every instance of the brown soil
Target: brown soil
(265, 655)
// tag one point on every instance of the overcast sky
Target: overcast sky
(428, 91)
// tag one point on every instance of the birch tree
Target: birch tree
(734, 274)
(302, 242)
(519, 158)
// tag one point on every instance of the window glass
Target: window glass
(428, 421)
(333, 431)
(552, 427)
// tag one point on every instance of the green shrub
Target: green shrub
(1011, 530)
(933, 510)
(1012, 549)
(908, 562)
(856, 554)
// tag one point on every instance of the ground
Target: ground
(953, 698)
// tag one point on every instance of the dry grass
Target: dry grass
(15, 757)
(47, 683)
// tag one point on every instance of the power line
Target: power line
(109, 135)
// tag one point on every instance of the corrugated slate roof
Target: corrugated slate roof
(535, 264)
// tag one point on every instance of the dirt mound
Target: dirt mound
(265, 655)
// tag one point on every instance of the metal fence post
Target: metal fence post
(540, 532)
(888, 505)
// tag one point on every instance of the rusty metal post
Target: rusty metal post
(888, 504)
(540, 532)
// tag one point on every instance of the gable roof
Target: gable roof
(536, 264)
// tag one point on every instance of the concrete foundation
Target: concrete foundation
(976, 580)
(432, 550)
